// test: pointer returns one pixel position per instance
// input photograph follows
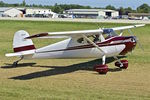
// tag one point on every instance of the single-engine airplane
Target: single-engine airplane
(99, 43)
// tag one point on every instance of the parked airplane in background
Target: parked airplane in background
(99, 43)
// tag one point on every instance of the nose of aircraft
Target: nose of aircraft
(134, 40)
(130, 45)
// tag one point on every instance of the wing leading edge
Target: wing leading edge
(127, 27)
(80, 33)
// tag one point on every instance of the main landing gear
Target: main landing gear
(123, 64)
(15, 64)
(103, 69)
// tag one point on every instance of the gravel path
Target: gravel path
(80, 20)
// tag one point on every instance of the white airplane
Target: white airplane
(99, 43)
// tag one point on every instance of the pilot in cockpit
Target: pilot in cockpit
(109, 33)
(96, 38)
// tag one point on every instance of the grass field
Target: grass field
(71, 79)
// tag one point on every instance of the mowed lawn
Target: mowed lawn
(71, 79)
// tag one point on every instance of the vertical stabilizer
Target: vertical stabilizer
(22, 44)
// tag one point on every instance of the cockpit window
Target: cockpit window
(94, 38)
(109, 32)
(80, 40)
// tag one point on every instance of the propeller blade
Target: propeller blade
(131, 32)
(139, 44)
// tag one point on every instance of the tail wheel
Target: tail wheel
(122, 64)
(101, 69)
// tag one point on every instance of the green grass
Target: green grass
(71, 79)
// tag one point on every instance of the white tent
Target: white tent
(13, 12)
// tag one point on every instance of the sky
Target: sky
(94, 3)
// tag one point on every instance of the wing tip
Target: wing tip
(139, 25)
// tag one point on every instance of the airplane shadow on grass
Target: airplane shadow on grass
(57, 70)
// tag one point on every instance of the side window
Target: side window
(94, 38)
(105, 36)
(80, 40)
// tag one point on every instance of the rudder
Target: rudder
(22, 44)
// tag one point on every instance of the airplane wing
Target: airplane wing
(127, 27)
(79, 33)
(65, 34)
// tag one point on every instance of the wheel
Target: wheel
(124, 64)
(15, 64)
(101, 69)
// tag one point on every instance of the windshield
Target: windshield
(109, 32)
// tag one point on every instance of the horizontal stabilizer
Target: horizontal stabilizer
(29, 52)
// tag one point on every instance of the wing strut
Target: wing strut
(94, 44)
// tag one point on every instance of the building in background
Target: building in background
(92, 13)
(2, 10)
(10, 12)
(37, 12)
(13, 12)
(139, 16)
(27, 12)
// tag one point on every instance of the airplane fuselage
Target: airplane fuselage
(70, 48)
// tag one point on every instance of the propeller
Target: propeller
(139, 44)
(137, 40)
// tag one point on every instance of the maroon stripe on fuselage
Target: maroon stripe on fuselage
(79, 47)
(24, 48)
(100, 44)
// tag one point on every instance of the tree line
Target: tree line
(59, 8)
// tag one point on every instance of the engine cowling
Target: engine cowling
(101, 69)
(124, 62)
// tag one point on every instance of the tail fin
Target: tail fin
(22, 44)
